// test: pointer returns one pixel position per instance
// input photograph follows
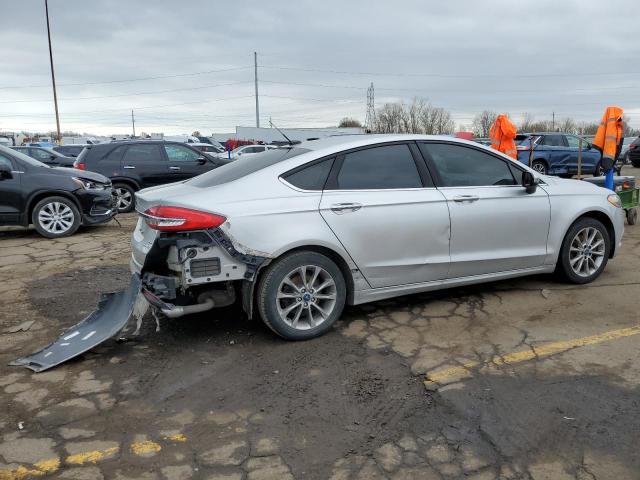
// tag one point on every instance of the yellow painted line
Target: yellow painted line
(178, 437)
(145, 448)
(92, 456)
(466, 370)
(50, 466)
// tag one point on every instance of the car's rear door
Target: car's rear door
(11, 196)
(185, 162)
(146, 163)
(382, 206)
(495, 225)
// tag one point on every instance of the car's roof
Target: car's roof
(355, 141)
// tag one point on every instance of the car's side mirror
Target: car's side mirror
(201, 160)
(5, 172)
(529, 182)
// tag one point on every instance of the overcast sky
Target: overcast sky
(185, 66)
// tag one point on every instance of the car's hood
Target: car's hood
(570, 186)
(74, 172)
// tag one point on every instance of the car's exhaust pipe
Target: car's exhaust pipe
(178, 311)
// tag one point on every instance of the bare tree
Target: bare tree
(482, 123)
(347, 122)
(418, 117)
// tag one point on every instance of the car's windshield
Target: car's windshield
(22, 157)
(244, 166)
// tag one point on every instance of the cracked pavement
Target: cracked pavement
(219, 397)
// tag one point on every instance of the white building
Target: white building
(268, 135)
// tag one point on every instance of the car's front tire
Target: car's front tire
(585, 251)
(301, 295)
(55, 217)
(125, 197)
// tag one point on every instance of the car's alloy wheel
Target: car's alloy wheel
(599, 172)
(306, 297)
(539, 167)
(56, 217)
(124, 198)
(300, 295)
(586, 252)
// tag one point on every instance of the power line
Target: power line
(443, 75)
(134, 94)
(177, 75)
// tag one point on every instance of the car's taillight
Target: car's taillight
(79, 165)
(522, 147)
(171, 219)
(632, 147)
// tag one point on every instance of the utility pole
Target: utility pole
(133, 123)
(53, 75)
(255, 68)
(553, 121)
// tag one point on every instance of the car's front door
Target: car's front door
(495, 225)
(186, 163)
(383, 208)
(146, 164)
(590, 156)
(11, 197)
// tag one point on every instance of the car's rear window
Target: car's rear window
(244, 166)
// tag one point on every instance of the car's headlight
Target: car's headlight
(614, 200)
(88, 184)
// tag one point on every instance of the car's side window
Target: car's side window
(178, 153)
(384, 167)
(141, 153)
(312, 177)
(4, 161)
(574, 142)
(553, 140)
(116, 154)
(41, 155)
(461, 166)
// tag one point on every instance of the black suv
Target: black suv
(55, 200)
(133, 165)
(634, 153)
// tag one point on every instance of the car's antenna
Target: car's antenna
(281, 133)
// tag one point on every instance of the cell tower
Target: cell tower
(370, 118)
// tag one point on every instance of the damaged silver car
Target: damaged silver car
(296, 233)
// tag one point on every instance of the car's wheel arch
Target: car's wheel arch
(603, 218)
(249, 287)
(41, 195)
(128, 181)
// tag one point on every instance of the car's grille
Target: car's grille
(205, 268)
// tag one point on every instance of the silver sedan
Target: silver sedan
(296, 233)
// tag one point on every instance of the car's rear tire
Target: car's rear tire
(55, 217)
(125, 197)
(585, 251)
(539, 166)
(635, 162)
(301, 295)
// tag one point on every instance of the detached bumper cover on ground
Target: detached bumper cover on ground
(114, 310)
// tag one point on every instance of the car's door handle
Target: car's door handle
(174, 168)
(466, 198)
(341, 208)
(129, 167)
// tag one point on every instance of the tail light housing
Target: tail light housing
(79, 165)
(178, 219)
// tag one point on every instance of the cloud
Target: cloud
(316, 61)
